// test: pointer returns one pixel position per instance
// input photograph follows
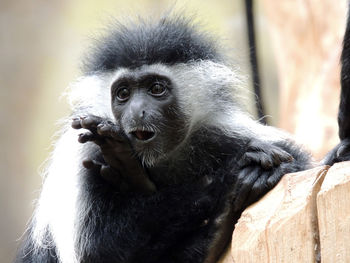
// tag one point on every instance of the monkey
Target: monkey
(341, 152)
(158, 159)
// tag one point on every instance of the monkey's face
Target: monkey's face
(146, 108)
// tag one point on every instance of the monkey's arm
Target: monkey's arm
(246, 178)
(341, 152)
(259, 169)
(117, 153)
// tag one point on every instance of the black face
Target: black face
(146, 108)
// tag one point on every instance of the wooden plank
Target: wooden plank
(333, 205)
(282, 226)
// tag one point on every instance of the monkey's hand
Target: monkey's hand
(116, 151)
(260, 169)
(339, 153)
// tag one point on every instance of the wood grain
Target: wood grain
(333, 205)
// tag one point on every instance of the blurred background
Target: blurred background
(41, 43)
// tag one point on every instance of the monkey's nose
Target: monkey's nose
(142, 114)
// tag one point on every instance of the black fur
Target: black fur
(344, 106)
(168, 41)
(342, 151)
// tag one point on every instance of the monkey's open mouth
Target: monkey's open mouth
(143, 135)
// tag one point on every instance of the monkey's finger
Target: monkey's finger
(280, 156)
(277, 174)
(86, 136)
(246, 159)
(106, 129)
(242, 174)
(91, 122)
(90, 164)
(110, 130)
(76, 123)
(246, 179)
(259, 188)
(260, 157)
(91, 137)
(266, 161)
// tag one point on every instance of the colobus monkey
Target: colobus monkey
(167, 159)
(342, 151)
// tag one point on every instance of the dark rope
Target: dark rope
(254, 60)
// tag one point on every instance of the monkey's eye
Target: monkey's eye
(123, 94)
(157, 89)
